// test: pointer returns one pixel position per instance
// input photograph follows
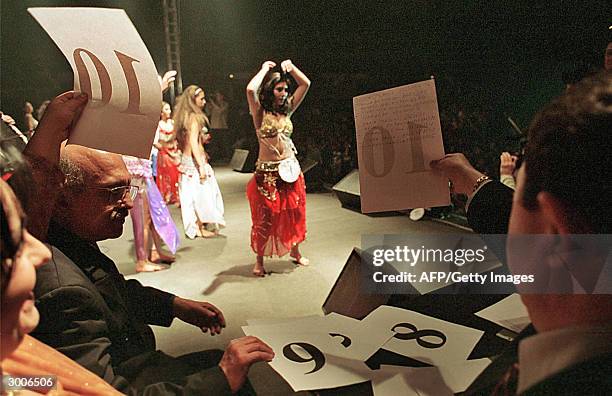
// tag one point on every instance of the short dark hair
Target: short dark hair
(266, 95)
(73, 173)
(568, 151)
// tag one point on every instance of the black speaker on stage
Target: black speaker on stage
(243, 160)
(347, 191)
(312, 175)
(347, 296)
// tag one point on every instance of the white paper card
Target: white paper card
(398, 134)
(422, 337)
(309, 360)
(112, 64)
(510, 313)
(360, 338)
(427, 381)
(275, 321)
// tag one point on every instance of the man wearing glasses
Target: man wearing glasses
(92, 314)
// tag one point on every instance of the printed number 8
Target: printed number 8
(418, 334)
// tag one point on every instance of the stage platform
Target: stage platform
(218, 270)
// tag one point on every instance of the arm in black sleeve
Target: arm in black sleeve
(154, 306)
(489, 215)
(207, 382)
(489, 211)
(71, 323)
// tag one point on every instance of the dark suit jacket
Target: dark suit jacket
(592, 377)
(92, 314)
(489, 213)
(489, 210)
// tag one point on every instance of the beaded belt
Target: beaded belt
(267, 166)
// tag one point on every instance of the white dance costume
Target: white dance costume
(200, 199)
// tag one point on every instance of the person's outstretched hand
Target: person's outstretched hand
(507, 164)
(239, 355)
(200, 314)
(458, 170)
(168, 78)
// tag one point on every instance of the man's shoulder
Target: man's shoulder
(588, 377)
(60, 272)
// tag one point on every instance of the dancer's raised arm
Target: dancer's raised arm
(252, 91)
(302, 81)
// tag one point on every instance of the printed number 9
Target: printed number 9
(315, 355)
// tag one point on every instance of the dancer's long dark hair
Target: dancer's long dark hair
(266, 94)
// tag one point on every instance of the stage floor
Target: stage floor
(218, 270)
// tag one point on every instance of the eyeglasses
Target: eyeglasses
(120, 193)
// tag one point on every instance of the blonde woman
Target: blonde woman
(201, 201)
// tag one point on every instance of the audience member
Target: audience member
(12, 130)
(92, 314)
(571, 352)
(21, 355)
(217, 109)
(30, 123)
(89, 311)
(507, 165)
(40, 112)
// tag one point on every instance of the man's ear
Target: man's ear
(560, 217)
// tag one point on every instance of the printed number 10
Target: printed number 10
(106, 86)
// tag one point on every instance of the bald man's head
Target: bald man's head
(93, 204)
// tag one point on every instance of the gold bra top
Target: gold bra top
(271, 126)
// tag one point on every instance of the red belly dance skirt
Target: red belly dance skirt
(278, 212)
(168, 174)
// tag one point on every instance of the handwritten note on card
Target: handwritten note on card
(398, 134)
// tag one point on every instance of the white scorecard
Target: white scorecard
(113, 66)
(424, 338)
(398, 135)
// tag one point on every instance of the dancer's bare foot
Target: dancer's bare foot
(149, 267)
(156, 257)
(207, 234)
(259, 271)
(297, 256)
(301, 260)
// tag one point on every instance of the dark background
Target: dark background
(503, 55)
